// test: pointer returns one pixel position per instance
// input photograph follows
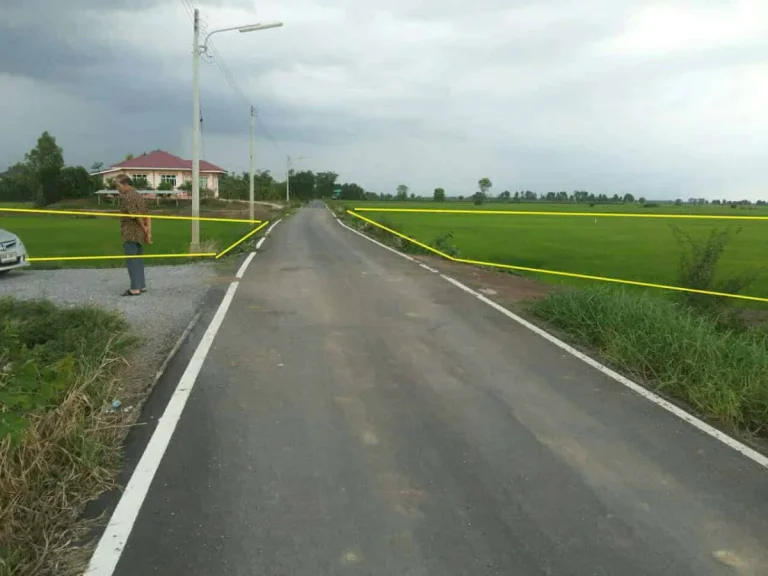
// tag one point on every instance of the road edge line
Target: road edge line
(694, 421)
(113, 540)
(371, 239)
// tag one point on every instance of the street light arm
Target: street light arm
(249, 28)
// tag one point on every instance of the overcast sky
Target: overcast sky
(664, 100)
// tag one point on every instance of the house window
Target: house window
(168, 179)
(203, 182)
(140, 180)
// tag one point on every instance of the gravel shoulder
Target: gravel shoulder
(158, 316)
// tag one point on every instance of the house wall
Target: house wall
(154, 177)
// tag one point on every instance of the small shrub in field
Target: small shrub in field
(445, 244)
(699, 258)
(721, 374)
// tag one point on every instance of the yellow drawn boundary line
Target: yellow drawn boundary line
(557, 272)
(120, 257)
(243, 239)
(544, 213)
(121, 215)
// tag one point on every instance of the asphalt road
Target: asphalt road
(358, 414)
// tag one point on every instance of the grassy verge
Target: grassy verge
(721, 373)
(59, 445)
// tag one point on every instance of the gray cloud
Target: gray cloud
(546, 96)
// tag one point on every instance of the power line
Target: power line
(213, 56)
(267, 134)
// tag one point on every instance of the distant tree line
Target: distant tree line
(42, 177)
(304, 185)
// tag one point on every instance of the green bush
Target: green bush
(41, 349)
(699, 258)
(721, 374)
(446, 245)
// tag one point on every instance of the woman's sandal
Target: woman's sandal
(129, 293)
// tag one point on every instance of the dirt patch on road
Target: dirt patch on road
(510, 290)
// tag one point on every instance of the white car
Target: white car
(12, 252)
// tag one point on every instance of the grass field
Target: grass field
(51, 236)
(627, 248)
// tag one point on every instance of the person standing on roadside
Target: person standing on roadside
(135, 232)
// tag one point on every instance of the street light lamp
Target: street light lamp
(197, 50)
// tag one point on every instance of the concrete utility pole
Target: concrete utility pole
(250, 189)
(195, 243)
(288, 182)
(197, 50)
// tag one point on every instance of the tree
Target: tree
(352, 192)
(402, 192)
(96, 166)
(478, 198)
(485, 185)
(263, 184)
(641, 200)
(439, 195)
(18, 184)
(325, 182)
(516, 197)
(303, 185)
(129, 157)
(231, 187)
(45, 161)
(629, 199)
(505, 196)
(75, 182)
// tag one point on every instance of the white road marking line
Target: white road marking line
(433, 270)
(275, 223)
(729, 441)
(250, 257)
(377, 242)
(247, 261)
(115, 537)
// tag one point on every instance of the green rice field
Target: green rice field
(48, 236)
(641, 249)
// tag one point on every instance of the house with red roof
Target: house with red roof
(159, 167)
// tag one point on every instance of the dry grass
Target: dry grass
(67, 454)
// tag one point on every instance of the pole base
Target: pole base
(194, 248)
